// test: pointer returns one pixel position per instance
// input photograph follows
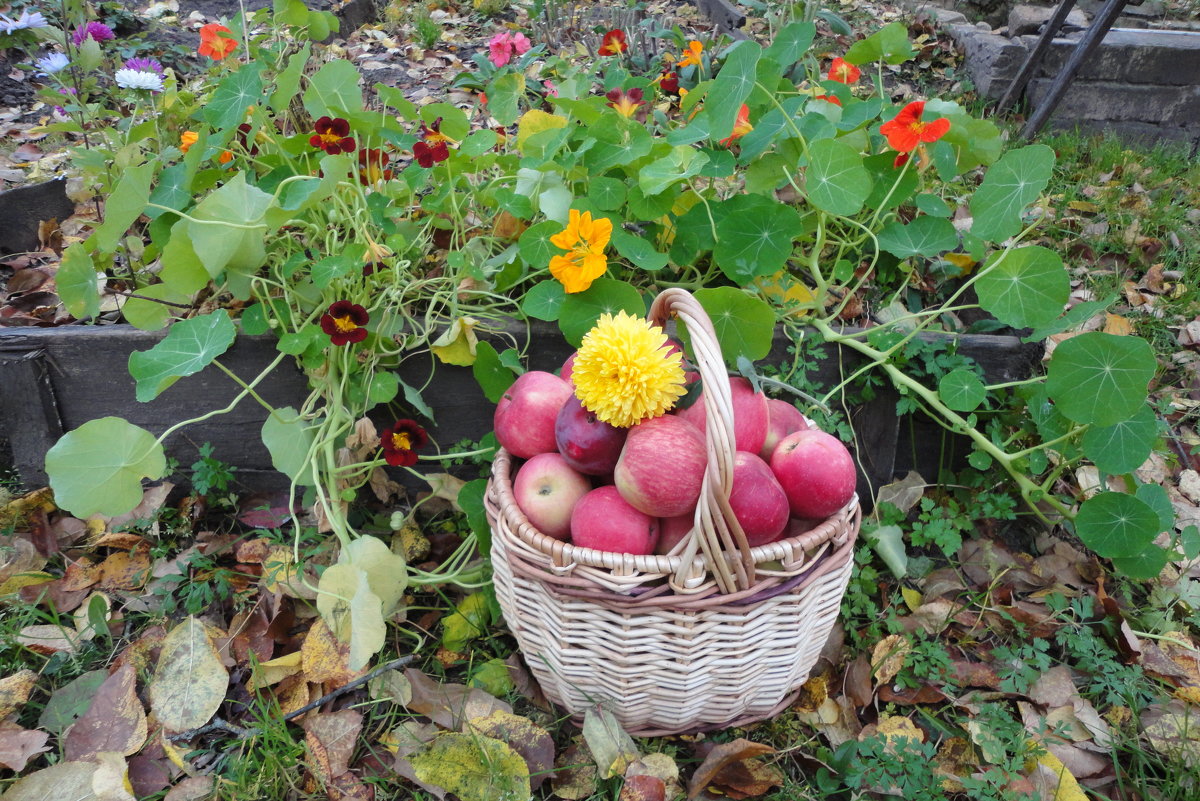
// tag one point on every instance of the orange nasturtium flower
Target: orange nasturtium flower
(692, 56)
(614, 43)
(187, 139)
(585, 240)
(216, 41)
(906, 130)
(843, 72)
(741, 126)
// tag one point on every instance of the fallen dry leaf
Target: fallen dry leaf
(326, 660)
(887, 657)
(15, 690)
(189, 681)
(331, 738)
(522, 735)
(115, 720)
(722, 756)
(18, 746)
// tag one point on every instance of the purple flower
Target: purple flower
(68, 91)
(92, 30)
(144, 65)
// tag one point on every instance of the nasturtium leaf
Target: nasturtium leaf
(745, 325)
(1145, 565)
(890, 187)
(333, 91)
(327, 270)
(188, 348)
(544, 300)
(473, 767)
(125, 204)
(535, 247)
(1116, 525)
(457, 343)
(695, 232)
(755, 236)
(98, 468)
(491, 374)
(792, 41)
(1156, 497)
(1011, 184)
(888, 542)
(470, 500)
(733, 85)
(382, 388)
(287, 82)
(638, 250)
(173, 189)
(504, 96)
(607, 193)
(220, 246)
(77, 282)
(1123, 446)
(933, 205)
(889, 43)
(581, 310)
(454, 120)
(836, 180)
(961, 390)
(1026, 286)
(1100, 378)
(289, 440)
(678, 165)
(352, 611)
(925, 236)
(536, 121)
(387, 573)
(236, 92)
(772, 124)
(148, 315)
(189, 680)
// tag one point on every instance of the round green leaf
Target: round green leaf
(1122, 447)
(1116, 525)
(490, 373)
(733, 85)
(188, 348)
(236, 92)
(98, 468)
(745, 325)
(77, 282)
(961, 390)
(383, 387)
(534, 245)
(1100, 378)
(1024, 287)
(754, 236)
(836, 181)
(289, 440)
(638, 250)
(544, 301)
(148, 315)
(1146, 565)
(924, 236)
(607, 193)
(334, 90)
(1156, 498)
(581, 310)
(1011, 184)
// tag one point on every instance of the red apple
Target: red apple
(782, 419)
(589, 444)
(757, 500)
(604, 521)
(816, 471)
(673, 529)
(546, 489)
(568, 367)
(662, 466)
(525, 415)
(749, 415)
(801, 525)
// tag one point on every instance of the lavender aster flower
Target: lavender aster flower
(135, 79)
(92, 30)
(48, 65)
(144, 65)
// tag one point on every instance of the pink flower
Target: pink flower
(551, 89)
(521, 43)
(501, 49)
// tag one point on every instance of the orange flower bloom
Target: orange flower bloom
(692, 56)
(829, 99)
(741, 126)
(614, 43)
(216, 41)
(843, 72)
(906, 130)
(187, 139)
(585, 240)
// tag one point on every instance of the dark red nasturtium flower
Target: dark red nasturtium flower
(344, 322)
(401, 443)
(332, 135)
(435, 145)
(614, 43)
(669, 82)
(373, 166)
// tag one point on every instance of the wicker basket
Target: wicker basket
(715, 634)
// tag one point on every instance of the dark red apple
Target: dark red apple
(757, 500)
(589, 444)
(782, 419)
(662, 466)
(603, 520)
(749, 415)
(816, 472)
(546, 489)
(673, 529)
(525, 415)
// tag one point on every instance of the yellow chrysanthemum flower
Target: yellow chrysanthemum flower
(585, 239)
(625, 373)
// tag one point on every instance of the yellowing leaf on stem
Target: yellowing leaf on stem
(535, 121)
(457, 344)
(351, 611)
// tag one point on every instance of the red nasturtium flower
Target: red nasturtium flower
(906, 130)
(216, 41)
(741, 126)
(332, 135)
(829, 99)
(843, 72)
(668, 81)
(626, 103)
(401, 442)
(373, 166)
(344, 322)
(614, 43)
(434, 146)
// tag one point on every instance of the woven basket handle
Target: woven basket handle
(716, 532)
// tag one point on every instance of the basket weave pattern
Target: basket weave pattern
(714, 634)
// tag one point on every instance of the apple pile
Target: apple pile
(635, 490)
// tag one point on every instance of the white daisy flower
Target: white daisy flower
(137, 79)
(26, 20)
(48, 65)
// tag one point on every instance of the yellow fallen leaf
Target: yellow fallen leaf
(15, 690)
(1116, 324)
(912, 598)
(962, 261)
(1084, 206)
(14, 583)
(189, 680)
(893, 727)
(785, 291)
(888, 657)
(1051, 776)
(1190, 693)
(274, 671)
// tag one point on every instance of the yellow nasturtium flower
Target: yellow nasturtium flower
(584, 239)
